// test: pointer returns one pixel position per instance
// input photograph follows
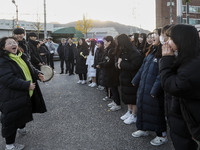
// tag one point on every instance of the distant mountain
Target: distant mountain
(102, 24)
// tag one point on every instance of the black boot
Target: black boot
(61, 72)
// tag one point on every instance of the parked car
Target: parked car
(56, 56)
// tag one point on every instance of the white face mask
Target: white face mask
(176, 53)
(162, 40)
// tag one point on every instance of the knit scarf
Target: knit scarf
(24, 67)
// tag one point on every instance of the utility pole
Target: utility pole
(179, 11)
(45, 21)
(13, 23)
(170, 4)
(17, 22)
(187, 13)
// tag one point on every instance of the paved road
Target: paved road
(78, 119)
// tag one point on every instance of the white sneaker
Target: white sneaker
(131, 119)
(16, 147)
(90, 84)
(115, 108)
(83, 82)
(79, 81)
(126, 115)
(106, 98)
(140, 133)
(101, 88)
(159, 141)
(93, 85)
(112, 104)
(22, 131)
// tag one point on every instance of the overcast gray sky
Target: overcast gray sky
(139, 13)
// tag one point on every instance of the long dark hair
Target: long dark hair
(136, 42)
(101, 49)
(147, 46)
(141, 45)
(110, 39)
(84, 44)
(123, 44)
(158, 47)
(92, 46)
(187, 41)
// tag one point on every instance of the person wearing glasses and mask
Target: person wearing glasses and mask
(19, 90)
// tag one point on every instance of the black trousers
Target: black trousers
(11, 138)
(48, 59)
(71, 66)
(82, 76)
(51, 61)
(62, 61)
(115, 94)
(108, 92)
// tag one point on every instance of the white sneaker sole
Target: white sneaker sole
(137, 136)
(116, 109)
(154, 144)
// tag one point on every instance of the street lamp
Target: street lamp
(17, 22)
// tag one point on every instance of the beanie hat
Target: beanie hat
(32, 34)
(18, 31)
(101, 42)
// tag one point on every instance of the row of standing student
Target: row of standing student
(157, 81)
(118, 64)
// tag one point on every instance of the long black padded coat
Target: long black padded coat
(130, 64)
(98, 59)
(182, 86)
(81, 67)
(16, 106)
(111, 74)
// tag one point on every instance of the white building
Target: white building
(100, 33)
(7, 26)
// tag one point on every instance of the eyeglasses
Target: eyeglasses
(11, 43)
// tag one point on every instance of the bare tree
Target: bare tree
(38, 26)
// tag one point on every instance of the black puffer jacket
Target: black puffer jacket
(16, 105)
(61, 49)
(111, 74)
(130, 64)
(24, 45)
(34, 53)
(97, 59)
(70, 52)
(183, 84)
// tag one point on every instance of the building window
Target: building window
(7, 24)
(101, 32)
(192, 21)
(192, 9)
